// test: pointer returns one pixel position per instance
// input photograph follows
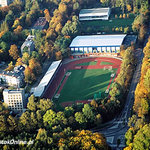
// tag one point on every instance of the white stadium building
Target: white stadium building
(97, 45)
(94, 14)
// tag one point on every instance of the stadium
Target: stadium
(79, 80)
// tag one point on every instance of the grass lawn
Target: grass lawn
(83, 84)
(107, 25)
(106, 63)
(87, 63)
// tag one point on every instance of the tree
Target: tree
(25, 121)
(129, 8)
(104, 2)
(80, 118)
(32, 104)
(25, 58)
(147, 80)
(141, 139)
(42, 135)
(12, 124)
(9, 18)
(71, 28)
(35, 66)
(45, 104)
(13, 52)
(47, 15)
(18, 62)
(49, 118)
(10, 67)
(62, 8)
(85, 139)
(29, 75)
(3, 124)
(48, 50)
(88, 113)
(4, 27)
(69, 111)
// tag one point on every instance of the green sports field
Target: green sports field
(83, 84)
(106, 63)
(88, 63)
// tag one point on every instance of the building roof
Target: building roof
(29, 41)
(40, 23)
(15, 91)
(94, 11)
(17, 72)
(98, 40)
(47, 77)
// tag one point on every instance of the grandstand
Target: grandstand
(47, 79)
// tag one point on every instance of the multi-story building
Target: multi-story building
(5, 2)
(13, 78)
(15, 99)
(28, 45)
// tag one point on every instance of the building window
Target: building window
(118, 49)
(99, 49)
(108, 49)
(76, 49)
(103, 49)
(113, 49)
(85, 50)
(81, 49)
(90, 49)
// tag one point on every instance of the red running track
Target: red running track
(62, 85)
(51, 89)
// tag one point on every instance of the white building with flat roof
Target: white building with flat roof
(97, 44)
(5, 2)
(13, 78)
(15, 99)
(94, 14)
(28, 45)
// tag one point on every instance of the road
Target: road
(117, 128)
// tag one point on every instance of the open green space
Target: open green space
(106, 63)
(108, 26)
(88, 63)
(83, 84)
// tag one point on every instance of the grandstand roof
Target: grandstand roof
(94, 11)
(98, 40)
(47, 77)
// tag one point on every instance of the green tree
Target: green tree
(88, 113)
(32, 105)
(49, 118)
(45, 104)
(80, 118)
(25, 58)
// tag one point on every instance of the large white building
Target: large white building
(28, 45)
(97, 44)
(15, 99)
(5, 2)
(13, 78)
(94, 14)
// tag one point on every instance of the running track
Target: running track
(51, 89)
